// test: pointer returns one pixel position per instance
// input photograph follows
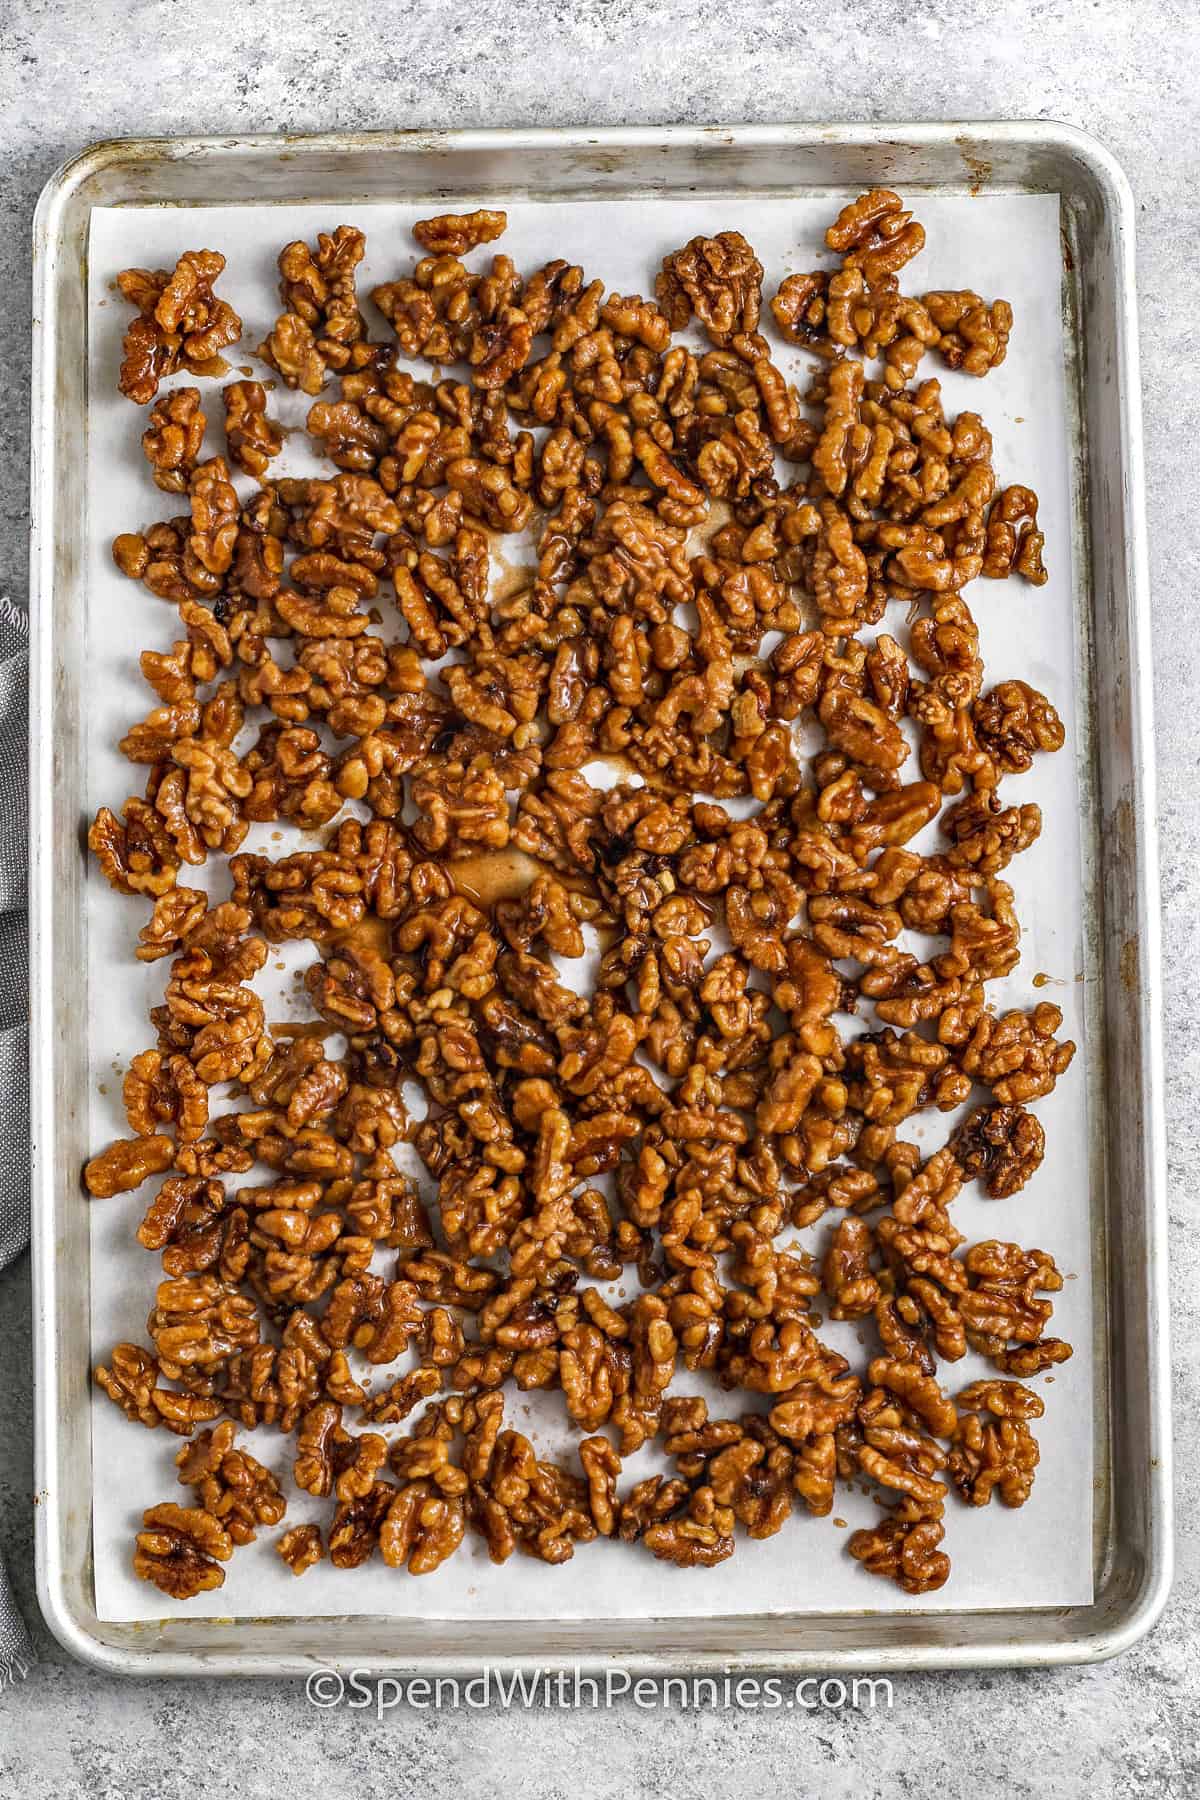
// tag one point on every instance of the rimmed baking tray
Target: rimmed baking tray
(1131, 1523)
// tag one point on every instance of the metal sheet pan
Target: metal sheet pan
(1132, 1525)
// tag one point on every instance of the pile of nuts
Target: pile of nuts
(688, 608)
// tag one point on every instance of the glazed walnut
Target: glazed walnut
(905, 1551)
(300, 1547)
(973, 336)
(719, 279)
(321, 325)
(126, 1164)
(180, 1549)
(1013, 722)
(453, 234)
(1013, 543)
(230, 1484)
(875, 234)
(172, 439)
(181, 323)
(131, 1380)
(1001, 1145)
(993, 1449)
(252, 437)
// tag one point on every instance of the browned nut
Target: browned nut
(181, 323)
(301, 1547)
(180, 1549)
(453, 234)
(126, 1164)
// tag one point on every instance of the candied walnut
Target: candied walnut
(181, 323)
(719, 279)
(154, 737)
(601, 1466)
(428, 313)
(901, 1459)
(359, 1460)
(630, 316)
(131, 1382)
(1000, 1145)
(904, 1551)
(206, 802)
(1003, 1399)
(498, 348)
(752, 1477)
(231, 1485)
(951, 755)
(973, 336)
(917, 1392)
(300, 1547)
(172, 440)
(594, 1371)
(1003, 1303)
(214, 523)
(354, 1533)
(453, 234)
(189, 1221)
(290, 774)
(291, 349)
(986, 834)
(399, 1320)
(461, 805)
(351, 438)
(198, 1322)
(1013, 542)
(884, 323)
(322, 323)
(518, 1502)
(162, 1090)
(698, 1536)
(860, 729)
(799, 308)
(649, 1502)
(996, 1454)
(268, 1385)
(320, 1444)
(813, 1409)
(488, 493)
(847, 1274)
(421, 1528)
(180, 1549)
(126, 1164)
(1032, 1359)
(775, 1359)
(875, 234)
(131, 553)
(136, 853)
(252, 437)
(1013, 721)
(1017, 1055)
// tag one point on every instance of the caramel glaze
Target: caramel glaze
(302, 1028)
(493, 875)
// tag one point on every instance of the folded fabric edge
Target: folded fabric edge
(13, 615)
(13, 1668)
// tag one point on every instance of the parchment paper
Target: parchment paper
(1041, 1556)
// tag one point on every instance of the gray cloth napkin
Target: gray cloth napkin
(16, 1652)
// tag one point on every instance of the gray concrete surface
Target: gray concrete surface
(1125, 71)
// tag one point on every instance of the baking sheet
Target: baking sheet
(1041, 1556)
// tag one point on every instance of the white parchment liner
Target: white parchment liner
(999, 244)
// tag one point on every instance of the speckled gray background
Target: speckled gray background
(70, 74)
